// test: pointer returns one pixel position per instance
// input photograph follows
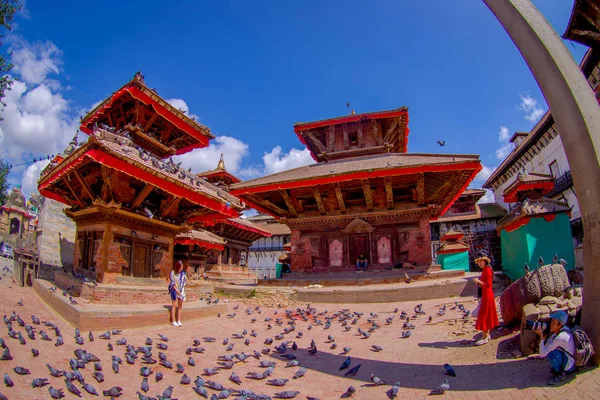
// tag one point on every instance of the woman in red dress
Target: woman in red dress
(487, 319)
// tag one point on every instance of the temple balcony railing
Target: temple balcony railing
(266, 248)
(562, 183)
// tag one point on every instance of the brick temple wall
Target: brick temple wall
(408, 242)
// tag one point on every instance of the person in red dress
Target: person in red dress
(487, 319)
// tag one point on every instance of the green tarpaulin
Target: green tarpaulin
(454, 260)
(538, 238)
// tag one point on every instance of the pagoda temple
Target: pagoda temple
(365, 194)
(127, 196)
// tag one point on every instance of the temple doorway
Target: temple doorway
(140, 261)
(15, 226)
(359, 244)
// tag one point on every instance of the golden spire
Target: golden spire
(221, 164)
(353, 112)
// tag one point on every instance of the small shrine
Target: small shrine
(454, 252)
(17, 221)
(536, 226)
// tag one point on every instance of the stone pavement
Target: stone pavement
(483, 372)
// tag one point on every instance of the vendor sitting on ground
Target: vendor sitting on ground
(558, 346)
(361, 261)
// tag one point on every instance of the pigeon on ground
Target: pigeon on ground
(158, 377)
(376, 348)
(90, 389)
(91, 336)
(406, 334)
(21, 371)
(441, 389)
(168, 392)
(288, 394)
(277, 382)
(377, 381)
(55, 393)
(54, 372)
(185, 380)
(235, 378)
(179, 368)
(145, 386)
(353, 371)
(20, 303)
(114, 391)
(163, 337)
(349, 392)
(201, 391)
(7, 381)
(39, 382)
(346, 363)
(292, 363)
(393, 392)
(99, 376)
(449, 369)
(210, 371)
(35, 352)
(72, 388)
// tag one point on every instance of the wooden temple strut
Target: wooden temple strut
(316, 142)
(319, 200)
(173, 203)
(288, 202)
(150, 122)
(421, 188)
(443, 190)
(389, 192)
(84, 185)
(72, 191)
(390, 132)
(340, 198)
(142, 196)
(367, 192)
(267, 204)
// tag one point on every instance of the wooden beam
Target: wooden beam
(68, 185)
(106, 178)
(318, 144)
(142, 196)
(110, 121)
(359, 135)
(166, 134)
(390, 133)
(288, 202)
(346, 139)
(331, 138)
(319, 199)
(267, 204)
(173, 203)
(367, 192)
(137, 112)
(123, 115)
(443, 190)
(340, 198)
(389, 192)
(150, 122)
(421, 188)
(84, 185)
(591, 35)
(377, 132)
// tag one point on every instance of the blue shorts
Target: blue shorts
(173, 295)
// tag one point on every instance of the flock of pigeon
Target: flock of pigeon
(153, 361)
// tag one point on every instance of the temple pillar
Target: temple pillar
(577, 115)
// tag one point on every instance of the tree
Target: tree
(8, 8)
(4, 170)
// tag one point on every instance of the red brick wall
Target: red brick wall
(310, 250)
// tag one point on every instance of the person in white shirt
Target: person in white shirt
(558, 347)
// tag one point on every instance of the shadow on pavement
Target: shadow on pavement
(516, 373)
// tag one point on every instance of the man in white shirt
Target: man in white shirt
(558, 347)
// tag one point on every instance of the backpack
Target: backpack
(583, 347)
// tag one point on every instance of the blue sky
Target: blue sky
(250, 69)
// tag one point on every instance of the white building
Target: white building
(541, 151)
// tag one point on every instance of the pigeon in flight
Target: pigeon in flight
(442, 143)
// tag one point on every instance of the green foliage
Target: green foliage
(253, 294)
(4, 170)
(8, 8)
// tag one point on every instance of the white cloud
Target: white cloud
(530, 107)
(32, 70)
(200, 160)
(181, 105)
(484, 174)
(487, 198)
(31, 176)
(276, 160)
(506, 146)
(37, 120)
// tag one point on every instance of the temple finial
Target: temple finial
(75, 139)
(353, 112)
(221, 164)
